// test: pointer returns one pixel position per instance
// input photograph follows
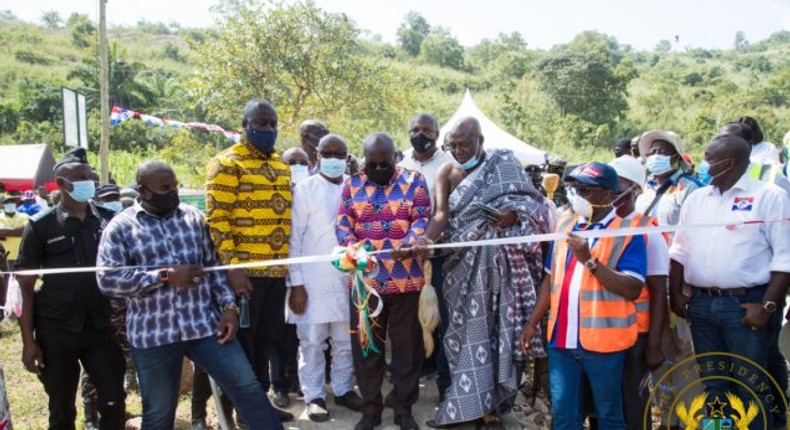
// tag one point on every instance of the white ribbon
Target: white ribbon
(533, 238)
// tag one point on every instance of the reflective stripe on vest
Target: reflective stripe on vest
(607, 321)
(642, 303)
(566, 223)
(765, 172)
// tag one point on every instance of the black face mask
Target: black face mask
(163, 204)
(379, 175)
(421, 143)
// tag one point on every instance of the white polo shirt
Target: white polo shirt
(742, 256)
(428, 169)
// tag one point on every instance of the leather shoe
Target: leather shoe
(281, 399)
(406, 422)
(285, 417)
(434, 425)
(368, 422)
(199, 425)
(316, 411)
(350, 400)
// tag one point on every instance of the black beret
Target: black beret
(107, 190)
(75, 156)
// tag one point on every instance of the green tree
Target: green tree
(172, 52)
(412, 32)
(9, 118)
(597, 43)
(303, 59)
(83, 32)
(126, 90)
(7, 15)
(52, 19)
(40, 100)
(488, 54)
(586, 85)
(740, 41)
(664, 45)
(443, 49)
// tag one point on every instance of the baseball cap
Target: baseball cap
(596, 173)
(630, 168)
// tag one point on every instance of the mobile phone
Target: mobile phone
(488, 212)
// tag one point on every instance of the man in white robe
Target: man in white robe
(318, 301)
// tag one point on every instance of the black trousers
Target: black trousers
(101, 356)
(289, 370)
(201, 392)
(264, 341)
(399, 315)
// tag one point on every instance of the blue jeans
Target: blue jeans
(777, 364)
(605, 374)
(159, 372)
(716, 327)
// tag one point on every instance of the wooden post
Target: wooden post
(104, 85)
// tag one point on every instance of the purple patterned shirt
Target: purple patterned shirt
(159, 314)
(385, 217)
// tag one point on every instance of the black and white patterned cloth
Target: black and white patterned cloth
(490, 291)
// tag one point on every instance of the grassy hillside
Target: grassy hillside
(690, 92)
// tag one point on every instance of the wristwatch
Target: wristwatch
(163, 277)
(234, 307)
(591, 265)
(769, 306)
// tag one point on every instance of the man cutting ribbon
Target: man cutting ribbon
(384, 207)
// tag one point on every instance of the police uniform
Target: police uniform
(71, 319)
(118, 320)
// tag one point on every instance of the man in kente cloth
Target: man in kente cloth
(489, 291)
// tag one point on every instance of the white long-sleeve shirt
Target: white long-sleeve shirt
(315, 206)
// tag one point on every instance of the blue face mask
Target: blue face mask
(82, 190)
(703, 172)
(114, 207)
(659, 164)
(332, 167)
(470, 163)
(262, 140)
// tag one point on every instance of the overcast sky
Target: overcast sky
(640, 23)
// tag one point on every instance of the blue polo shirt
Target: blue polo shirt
(633, 262)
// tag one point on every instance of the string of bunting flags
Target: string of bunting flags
(119, 115)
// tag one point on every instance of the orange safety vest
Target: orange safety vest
(642, 303)
(607, 321)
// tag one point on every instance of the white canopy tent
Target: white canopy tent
(494, 136)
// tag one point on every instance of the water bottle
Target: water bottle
(244, 312)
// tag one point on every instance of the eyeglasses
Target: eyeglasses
(585, 190)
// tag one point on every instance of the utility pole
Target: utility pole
(104, 90)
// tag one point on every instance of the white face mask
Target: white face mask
(570, 193)
(299, 172)
(9, 208)
(582, 207)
